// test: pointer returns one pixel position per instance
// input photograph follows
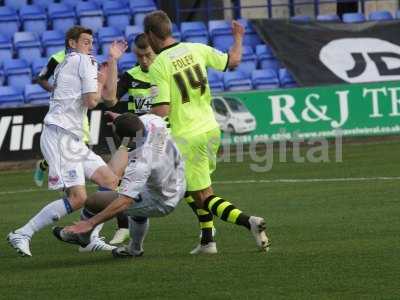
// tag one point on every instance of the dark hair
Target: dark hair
(141, 41)
(128, 125)
(158, 23)
(75, 32)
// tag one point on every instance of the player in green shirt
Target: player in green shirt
(180, 74)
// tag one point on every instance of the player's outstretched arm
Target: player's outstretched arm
(109, 94)
(117, 206)
(235, 53)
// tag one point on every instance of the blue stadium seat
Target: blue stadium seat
(176, 32)
(220, 33)
(215, 80)
(10, 97)
(286, 79)
(251, 37)
(107, 35)
(33, 18)
(52, 41)
(9, 21)
(380, 15)
(71, 3)
(127, 61)
(62, 16)
(265, 79)
(15, 4)
(42, 3)
(6, 49)
(131, 32)
(301, 18)
(237, 81)
(38, 64)
(141, 6)
(2, 77)
(90, 15)
(266, 58)
(328, 18)
(101, 58)
(353, 18)
(195, 32)
(249, 60)
(18, 72)
(117, 13)
(27, 45)
(36, 95)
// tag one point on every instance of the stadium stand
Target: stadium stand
(10, 97)
(34, 94)
(89, 15)
(52, 41)
(17, 72)
(380, 15)
(9, 21)
(32, 30)
(237, 81)
(33, 18)
(117, 14)
(353, 18)
(61, 16)
(27, 45)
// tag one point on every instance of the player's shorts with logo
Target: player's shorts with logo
(70, 160)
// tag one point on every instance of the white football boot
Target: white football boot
(210, 248)
(97, 244)
(120, 236)
(257, 228)
(20, 243)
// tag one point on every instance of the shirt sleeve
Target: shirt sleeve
(124, 83)
(160, 85)
(48, 70)
(88, 73)
(135, 177)
(214, 58)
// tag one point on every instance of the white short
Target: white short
(69, 159)
(148, 205)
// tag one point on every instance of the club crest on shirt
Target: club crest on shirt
(53, 180)
(72, 174)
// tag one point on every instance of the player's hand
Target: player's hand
(79, 227)
(117, 49)
(112, 116)
(237, 29)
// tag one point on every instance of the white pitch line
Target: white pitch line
(256, 181)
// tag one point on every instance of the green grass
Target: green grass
(330, 240)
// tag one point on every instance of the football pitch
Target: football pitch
(334, 228)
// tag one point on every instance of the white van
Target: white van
(232, 115)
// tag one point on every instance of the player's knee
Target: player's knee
(77, 199)
(113, 181)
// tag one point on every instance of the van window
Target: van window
(236, 105)
(220, 107)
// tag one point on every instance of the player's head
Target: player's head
(144, 53)
(129, 125)
(80, 39)
(158, 27)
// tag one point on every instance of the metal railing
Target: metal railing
(208, 6)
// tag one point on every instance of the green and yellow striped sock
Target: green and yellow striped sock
(226, 211)
(205, 220)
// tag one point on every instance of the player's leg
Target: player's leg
(220, 207)
(40, 169)
(63, 173)
(190, 153)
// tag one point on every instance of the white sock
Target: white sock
(95, 232)
(138, 232)
(49, 214)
